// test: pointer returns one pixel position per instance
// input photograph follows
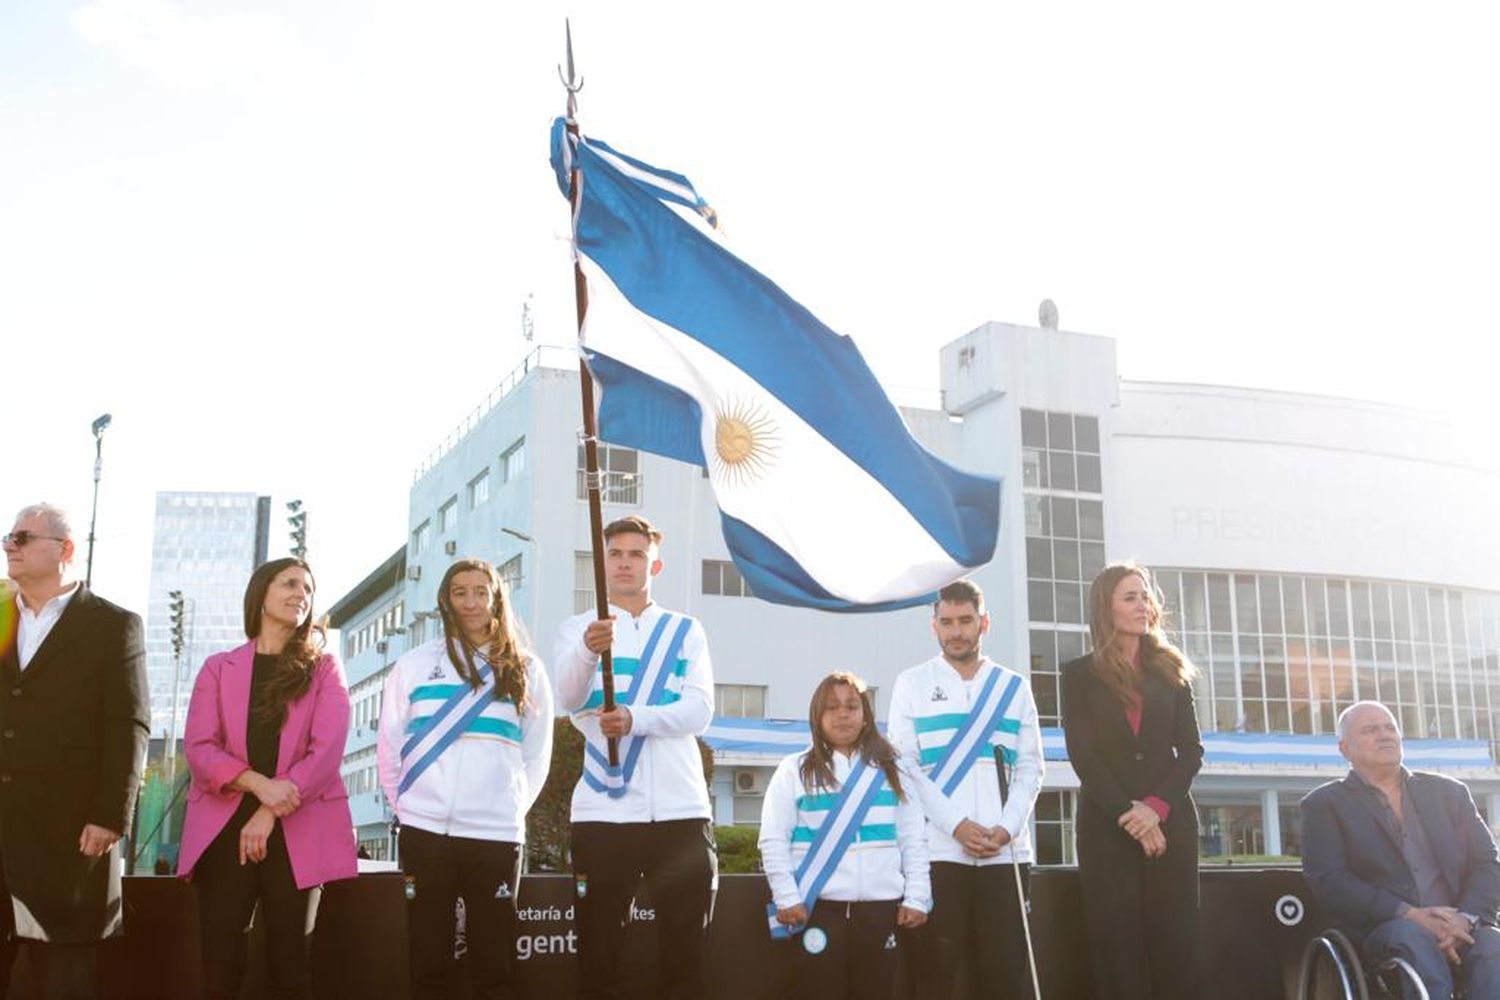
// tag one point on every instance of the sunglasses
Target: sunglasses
(19, 539)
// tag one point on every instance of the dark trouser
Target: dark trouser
(858, 958)
(62, 970)
(227, 896)
(678, 860)
(1479, 970)
(486, 873)
(1142, 914)
(975, 918)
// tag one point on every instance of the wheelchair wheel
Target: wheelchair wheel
(1400, 981)
(1331, 970)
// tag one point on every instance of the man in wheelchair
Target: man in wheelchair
(1403, 863)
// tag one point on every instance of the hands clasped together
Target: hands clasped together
(1144, 824)
(980, 841)
(1451, 928)
(278, 797)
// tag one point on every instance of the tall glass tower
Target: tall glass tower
(205, 545)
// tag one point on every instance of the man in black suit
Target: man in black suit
(74, 721)
(1403, 862)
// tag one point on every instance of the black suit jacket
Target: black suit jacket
(73, 732)
(1115, 765)
(1355, 866)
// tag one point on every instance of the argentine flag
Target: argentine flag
(826, 499)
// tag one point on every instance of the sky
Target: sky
(287, 245)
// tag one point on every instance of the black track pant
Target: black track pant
(976, 918)
(678, 861)
(486, 874)
(857, 959)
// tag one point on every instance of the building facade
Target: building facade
(1312, 552)
(373, 632)
(204, 545)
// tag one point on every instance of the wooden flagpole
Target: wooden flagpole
(586, 384)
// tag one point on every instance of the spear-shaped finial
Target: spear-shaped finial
(570, 82)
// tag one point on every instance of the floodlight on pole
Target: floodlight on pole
(98, 427)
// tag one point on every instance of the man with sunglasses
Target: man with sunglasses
(74, 721)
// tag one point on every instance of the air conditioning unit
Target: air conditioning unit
(414, 572)
(451, 547)
(749, 783)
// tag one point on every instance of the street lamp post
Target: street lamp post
(99, 425)
(177, 607)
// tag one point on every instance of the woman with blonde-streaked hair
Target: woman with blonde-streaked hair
(1132, 736)
(464, 746)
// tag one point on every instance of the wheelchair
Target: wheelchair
(1331, 969)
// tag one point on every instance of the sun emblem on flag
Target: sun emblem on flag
(744, 441)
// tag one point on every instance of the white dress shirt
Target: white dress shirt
(34, 628)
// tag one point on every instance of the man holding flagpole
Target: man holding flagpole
(958, 717)
(647, 816)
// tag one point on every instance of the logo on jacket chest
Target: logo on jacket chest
(437, 672)
(938, 694)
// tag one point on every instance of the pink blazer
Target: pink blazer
(320, 834)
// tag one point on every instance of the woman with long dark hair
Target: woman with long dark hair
(464, 746)
(268, 815)
(1132, 736)
(850, 777)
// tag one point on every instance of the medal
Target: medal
(814, 940)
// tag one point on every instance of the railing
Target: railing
(614, 487)
(543, 356)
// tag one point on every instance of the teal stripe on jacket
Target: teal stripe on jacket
(825, 801)
(436, 692)
(481, 724)
(948, 720)
(627, 666)
(931, 755)
(869, 833)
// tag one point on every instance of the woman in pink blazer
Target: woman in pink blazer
(267, 815)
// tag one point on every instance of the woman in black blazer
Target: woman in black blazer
(1133, 740)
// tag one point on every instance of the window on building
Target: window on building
(1284, 653)
(1064, 523)
(420, 537)
(513, 461)
(510, 574)
(583, 583)
(619, 475)
(740, 701)
(479, 489)
(448, 516)
(747, 809)
(723, 578)
(1054, 828)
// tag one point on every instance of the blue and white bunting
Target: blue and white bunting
(701, 358)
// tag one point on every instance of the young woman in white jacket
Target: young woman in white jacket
(465, 742)
(846, 936)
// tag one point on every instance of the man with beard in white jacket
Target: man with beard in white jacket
(649, 815)
(464, 747)
(962, 718)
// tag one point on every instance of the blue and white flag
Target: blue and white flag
(826, 499)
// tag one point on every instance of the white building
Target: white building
(204, 545)
(1313, 550)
